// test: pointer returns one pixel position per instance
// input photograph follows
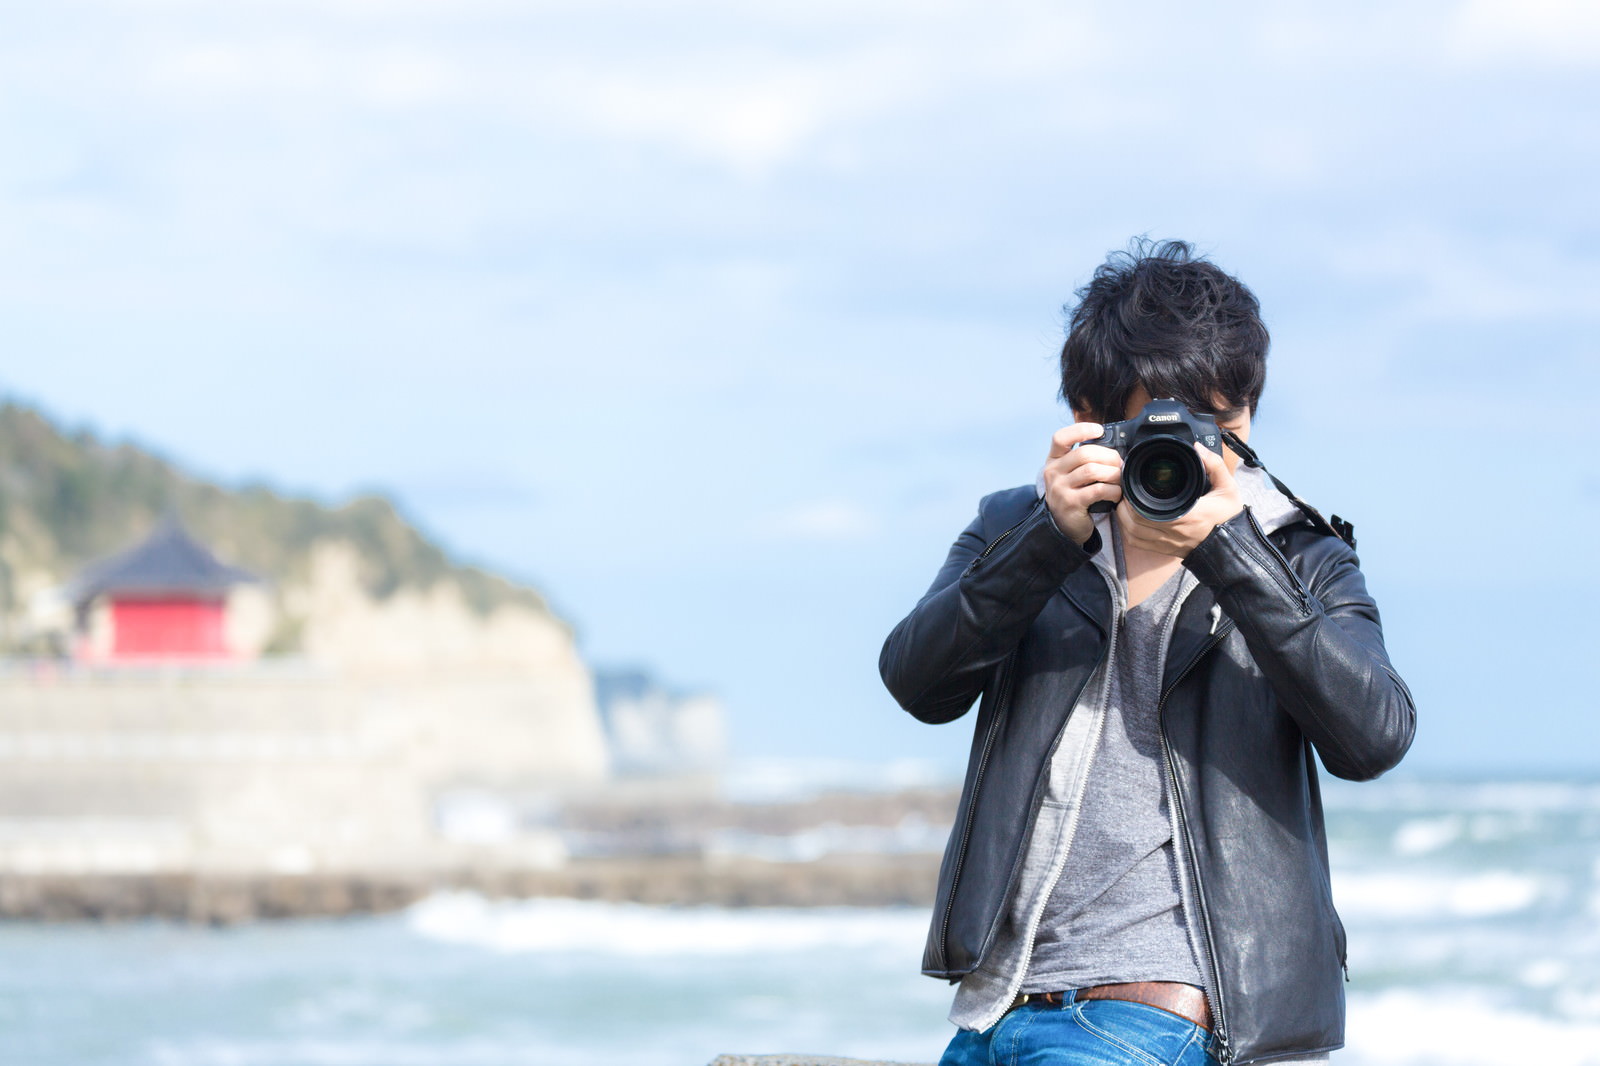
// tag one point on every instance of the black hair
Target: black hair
(1159, 315)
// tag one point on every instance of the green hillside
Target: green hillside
(67, 498)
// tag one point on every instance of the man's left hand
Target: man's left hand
(1180, 536)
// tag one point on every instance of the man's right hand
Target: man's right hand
(1075, 477)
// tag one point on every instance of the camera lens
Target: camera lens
(1163, 478)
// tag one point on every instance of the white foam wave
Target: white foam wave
(1393, 895)
(521, 1050)
(1422, 835)
(630, 929)
(1462, 1027)
(1544, 973)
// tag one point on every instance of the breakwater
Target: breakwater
(230, 899)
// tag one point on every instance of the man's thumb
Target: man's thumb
(1216, 469)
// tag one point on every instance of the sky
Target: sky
(715, 320)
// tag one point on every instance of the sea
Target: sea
(1473, 910)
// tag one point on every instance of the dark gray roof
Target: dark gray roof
(169, 560)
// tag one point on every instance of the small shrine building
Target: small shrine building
(167, 599)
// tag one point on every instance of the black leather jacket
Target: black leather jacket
(1294, 662)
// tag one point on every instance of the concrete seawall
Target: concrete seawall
(282, 767)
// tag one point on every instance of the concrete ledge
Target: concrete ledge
(800, 1060)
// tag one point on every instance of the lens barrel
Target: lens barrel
(1163, 477)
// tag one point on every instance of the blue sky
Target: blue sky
(714, 320)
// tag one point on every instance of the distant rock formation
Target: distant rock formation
(656, 731)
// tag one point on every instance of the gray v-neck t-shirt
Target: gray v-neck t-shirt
(1116, 913)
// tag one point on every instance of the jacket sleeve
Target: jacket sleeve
(991, 587)
(1321, 646)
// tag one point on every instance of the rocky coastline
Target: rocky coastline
(231, 899)
(863, 850)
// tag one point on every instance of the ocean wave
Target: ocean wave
(1398, 895)
(1419, 836)
(1402, 795)
(633, 929)
(1462, 1027)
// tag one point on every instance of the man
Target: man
(1138, 870)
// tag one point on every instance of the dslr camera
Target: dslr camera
(1162, 477)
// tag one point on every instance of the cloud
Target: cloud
(1516, 31)
(1440, 273)
(827, 520)
(749, 88)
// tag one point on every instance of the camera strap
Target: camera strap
(1336, 526)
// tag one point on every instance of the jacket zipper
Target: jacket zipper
(972, 806)
(1218, 1012)
(1001, 539)
(1295, 593)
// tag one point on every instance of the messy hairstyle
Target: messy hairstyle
(1161, 316)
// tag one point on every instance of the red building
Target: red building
(167, 598)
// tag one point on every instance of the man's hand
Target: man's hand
(1180, 536)
(1074, 478)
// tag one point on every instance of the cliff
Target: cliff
(353, 584)
(390, 709)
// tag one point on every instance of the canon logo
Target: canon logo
(1173, 417)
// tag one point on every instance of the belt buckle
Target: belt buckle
(1047, 998)
(1023, 999)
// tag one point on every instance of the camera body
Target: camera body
(1162, 477)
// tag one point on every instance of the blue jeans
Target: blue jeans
(1091, 1032)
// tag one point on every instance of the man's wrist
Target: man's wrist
(1089, 544)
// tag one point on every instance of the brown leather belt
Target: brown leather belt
(1186, 1001)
